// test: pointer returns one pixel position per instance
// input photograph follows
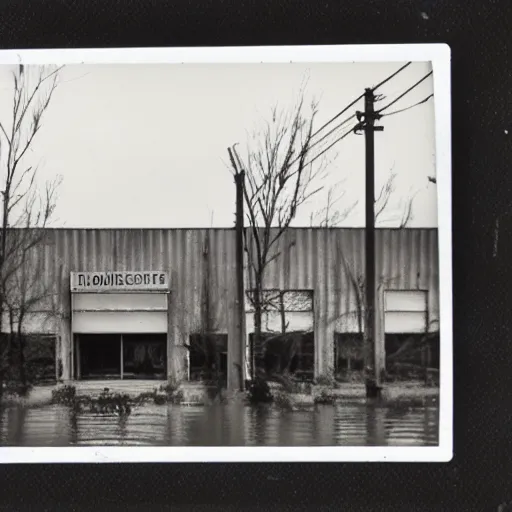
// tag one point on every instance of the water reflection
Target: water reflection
(348, 424)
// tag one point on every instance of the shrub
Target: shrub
(325, 379)
(325, 398)
(283, 400)
(105, 403)
(172, 392)
(259, 392)
(108, 403)
(148, 396)
(16, 388)
(65, 395)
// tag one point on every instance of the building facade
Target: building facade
(148, 303)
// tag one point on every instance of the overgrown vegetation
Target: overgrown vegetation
(170, 392)
(27, 207)
(64, 395)
(108, 402)
(325, 397)
(258, 391)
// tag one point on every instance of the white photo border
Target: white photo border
(439, 56)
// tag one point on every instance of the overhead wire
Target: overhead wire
(333, 130)
(337, 115)
(350, 105)
(348, 132)
(424, 100)
(405, 93)
(386, 80)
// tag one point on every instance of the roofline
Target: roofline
(293, 228)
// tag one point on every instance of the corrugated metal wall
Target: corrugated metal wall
(323, 260)
(329, 261)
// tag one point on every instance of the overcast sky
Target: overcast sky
(146, 145)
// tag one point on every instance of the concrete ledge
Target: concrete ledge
(197, 393)
(404, 391)
(37, 397)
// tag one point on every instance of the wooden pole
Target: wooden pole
(373, 384)
(236, 363)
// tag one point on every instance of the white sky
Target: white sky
(146, 145)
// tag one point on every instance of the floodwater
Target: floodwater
(345, 424)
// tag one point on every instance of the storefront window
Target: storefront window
(127, 356)
(144, 356)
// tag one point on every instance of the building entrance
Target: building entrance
(99, 356)
(121, 356)
(103, 303)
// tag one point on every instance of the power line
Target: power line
(331, 145)
(350, 105)
(409, 107)
(386, 80)
(333, 130)
(345, 121)
(405, 93)
(337, 115)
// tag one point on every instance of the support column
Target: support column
(65, 349)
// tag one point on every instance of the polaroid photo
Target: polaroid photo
(226, 254)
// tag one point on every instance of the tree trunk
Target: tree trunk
(282, 312)
(22, 365)
(10, 340)
(257, 327)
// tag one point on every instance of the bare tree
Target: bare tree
(26, 208)
(331, 215)
(404, 206)
(279, 179)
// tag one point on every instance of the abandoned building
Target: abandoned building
(156, 303)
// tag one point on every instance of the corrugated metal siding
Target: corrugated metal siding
(314, 259)
(309, 259)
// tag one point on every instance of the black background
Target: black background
(480, 476)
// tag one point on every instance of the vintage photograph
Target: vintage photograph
(225, 254)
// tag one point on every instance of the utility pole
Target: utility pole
(237, 364)
(367, 124)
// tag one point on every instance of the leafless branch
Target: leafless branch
(331, 215)
(278, 181)
(386, 191)
(26, 206)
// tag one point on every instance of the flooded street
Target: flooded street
(347, 424)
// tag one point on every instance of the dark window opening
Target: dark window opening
(208, 357)
(291, 352)
(127, 356)
(412, 356)
(348, 356)
(99, 356)
(144, 356)
(39, 357)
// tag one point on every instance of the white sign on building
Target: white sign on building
(150, 280)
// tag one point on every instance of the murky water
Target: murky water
(347, 424)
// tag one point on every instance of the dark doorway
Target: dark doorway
(208, 360)
(411, 356)
(144, 356)
(99, 356)
(277, 353)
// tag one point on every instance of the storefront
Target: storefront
(119, 323)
